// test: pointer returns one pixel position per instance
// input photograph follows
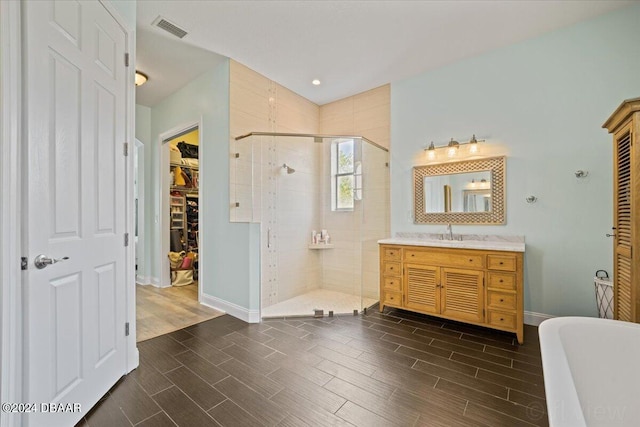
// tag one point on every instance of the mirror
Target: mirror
(467, 192)
(458, 192)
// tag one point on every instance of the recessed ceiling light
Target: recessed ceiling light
(315, 82)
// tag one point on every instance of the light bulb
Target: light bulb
(431, 154)
(473, 148)
(451, 151)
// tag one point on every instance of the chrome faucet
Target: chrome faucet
(450, 231)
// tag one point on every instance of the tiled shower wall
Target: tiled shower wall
(356, 234)
(293, 205)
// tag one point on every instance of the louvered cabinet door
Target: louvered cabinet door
(623, 216)
(421, 292)
(462, 294)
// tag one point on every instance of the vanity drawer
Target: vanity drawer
(392, 268)
(502, 320)
(501, 300)
(502, 280)
(391, 254)
(501, 262)
(444, 258)
(393, 284)
(393, 298)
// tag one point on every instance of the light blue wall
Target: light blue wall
(126, 8)
(543, 101)
(227, 265)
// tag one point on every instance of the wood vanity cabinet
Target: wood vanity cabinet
(473, 286)
(624, 124)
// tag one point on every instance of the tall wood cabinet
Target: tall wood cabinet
(624, 124)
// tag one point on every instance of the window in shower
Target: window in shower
(343, 177)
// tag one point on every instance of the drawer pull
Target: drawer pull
(501, 280)
(501, 263)
(501, 300)
(502, 319)
(390, 268)
(413, 255)
(470, 260)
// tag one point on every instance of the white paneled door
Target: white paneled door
(75, 205)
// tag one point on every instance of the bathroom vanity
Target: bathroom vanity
(474, 281)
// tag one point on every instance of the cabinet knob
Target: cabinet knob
(501, 300)
(413, 255)
(502, 319)
(470, 260)
(501, 263)
(501, 280)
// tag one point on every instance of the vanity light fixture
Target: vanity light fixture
(453, 147)
(473, 144)
(141, 78)
(431, 151)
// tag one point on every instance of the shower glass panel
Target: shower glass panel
(293, 185)
(375, 217)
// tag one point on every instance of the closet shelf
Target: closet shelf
(195, 168)
(184, 189)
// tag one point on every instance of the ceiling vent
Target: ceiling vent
(170, 27)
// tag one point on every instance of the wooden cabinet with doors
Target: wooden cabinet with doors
(624, 124)
(473, 286)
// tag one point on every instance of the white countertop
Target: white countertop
(492, 245)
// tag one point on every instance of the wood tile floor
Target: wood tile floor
(163, 310)
(391, 369)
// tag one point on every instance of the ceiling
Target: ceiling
(351, 46)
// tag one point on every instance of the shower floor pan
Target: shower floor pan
(319, 299)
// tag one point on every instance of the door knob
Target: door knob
(42, 261)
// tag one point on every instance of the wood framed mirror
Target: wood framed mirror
(465, 192)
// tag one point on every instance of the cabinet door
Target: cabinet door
(421, 288)
(462, 294)
(623, 217)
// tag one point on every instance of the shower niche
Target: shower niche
(294, 185)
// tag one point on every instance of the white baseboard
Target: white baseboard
(249, 316)
(532, 318)
(143, 280)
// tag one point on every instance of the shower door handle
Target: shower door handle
(269, 237)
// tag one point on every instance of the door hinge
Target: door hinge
(126, 329)
(126, 59)
(125, 148)
(24, 263)
(126, 239)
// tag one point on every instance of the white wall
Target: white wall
(143, 134)
(542, 102)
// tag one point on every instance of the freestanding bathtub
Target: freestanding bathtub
(591, 371)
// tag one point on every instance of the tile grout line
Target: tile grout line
(141, 421)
